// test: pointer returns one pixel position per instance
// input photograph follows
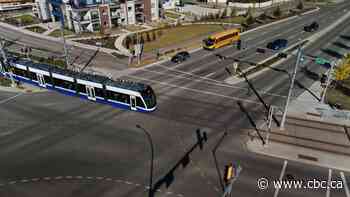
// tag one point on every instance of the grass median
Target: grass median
(180, 34)
(57, 33)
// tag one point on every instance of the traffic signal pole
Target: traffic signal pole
(291, 88)
(328, 81)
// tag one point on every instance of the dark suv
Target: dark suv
(180, 57)
(277, 44)
(312, 27)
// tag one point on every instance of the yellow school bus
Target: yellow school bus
(221, 39)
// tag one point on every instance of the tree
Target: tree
(250, 12)
(277, 12)
(342, 72)
(154, 35)
(224, 13)
(233, 12)
(300, 5)
(128, 41)
(263, 16)
(250, 20)
(148, 36)
(159, 32)
(134, 39)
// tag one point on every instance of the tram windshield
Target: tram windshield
(149, 97)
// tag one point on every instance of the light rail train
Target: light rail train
(118, 93)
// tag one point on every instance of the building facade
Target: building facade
(102, 15)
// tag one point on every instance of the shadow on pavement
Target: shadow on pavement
(345, 37)
(169, 177)
(341, 45)
(300, 85)
(311, 75)
(333, 53)
(252, 122)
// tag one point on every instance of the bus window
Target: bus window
(209, 42)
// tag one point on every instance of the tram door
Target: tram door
(41, 80)
(90, 91)
(133, 103)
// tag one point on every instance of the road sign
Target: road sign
(320, 60)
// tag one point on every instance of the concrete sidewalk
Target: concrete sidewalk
(300, 154)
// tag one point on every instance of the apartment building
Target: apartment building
(101, 15)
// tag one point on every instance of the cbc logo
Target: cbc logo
(263, 183)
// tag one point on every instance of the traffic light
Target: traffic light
(229, 173)
(239, 44)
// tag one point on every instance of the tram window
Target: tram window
(81, 88)
(47, 79)
(118, 97)
(99, 92)
(64, 84)
(32, 76)
(139, 102)
(19, 72)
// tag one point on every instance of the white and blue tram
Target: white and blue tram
(122, 94)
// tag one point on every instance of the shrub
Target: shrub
(342, 72)
(277, 12)
(250, 20)
(300, 5)
(233, 12)
(154, 35)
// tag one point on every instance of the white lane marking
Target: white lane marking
(12, 97)
(346, 187)
(328, 193)
(281, 176)
(210, 74)
(195, 90)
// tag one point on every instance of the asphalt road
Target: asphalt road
(52, 145)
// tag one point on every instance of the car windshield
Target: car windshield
(149, 97)
(209, 42)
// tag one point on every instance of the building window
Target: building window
(129, 8)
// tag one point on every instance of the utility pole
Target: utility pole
(269, 124)
(291, 88)
(4, 56)
(330, 71)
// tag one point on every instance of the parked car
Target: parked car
(277, 44)
(180, 57)
(312, 27)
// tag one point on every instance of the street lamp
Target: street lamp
(328, 81)
(291, 88)
(152, 156)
